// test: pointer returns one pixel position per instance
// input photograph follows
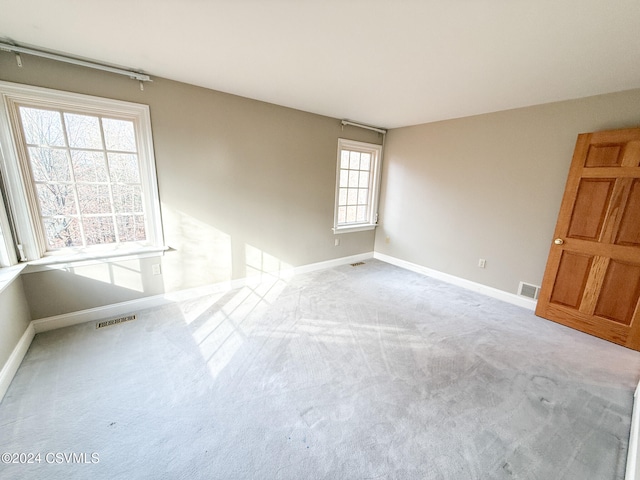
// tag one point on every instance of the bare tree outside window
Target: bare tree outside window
(86, 176)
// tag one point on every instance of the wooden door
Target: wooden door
(592, 279)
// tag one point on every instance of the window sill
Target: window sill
(79, 260)
(9, 274)
(354, 228)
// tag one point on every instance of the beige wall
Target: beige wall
(487, 186)
(243, 184)
(246, 186)
(62, 290)
(14, 318)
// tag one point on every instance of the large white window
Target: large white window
(80, 173)
(357, 186)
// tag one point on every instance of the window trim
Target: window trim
(7, 249)
(22, 201)
(374, 185)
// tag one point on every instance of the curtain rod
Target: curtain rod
(359, 125)
(7, 47)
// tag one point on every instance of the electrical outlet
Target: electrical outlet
(155, 269)
(387, 240)
(482, 263)
(336, 242)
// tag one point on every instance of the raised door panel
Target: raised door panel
(629, 231)
(590, 208)
(571, 279)
(618, 298)
(604, 156)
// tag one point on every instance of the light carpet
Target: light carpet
(349, 373)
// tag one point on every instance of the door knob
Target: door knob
(558, 241)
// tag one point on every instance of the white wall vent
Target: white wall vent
(528, 290)
(115, 321)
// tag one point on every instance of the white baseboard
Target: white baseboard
(15, 359)
(312, 267)
(92, 314)
(633, 469)
(460, 282)
(74, 318)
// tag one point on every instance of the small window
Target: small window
(82, 172)
(357, 186)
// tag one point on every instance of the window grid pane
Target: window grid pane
(42, 127)
(88, 191)
(353, 187)
(49, 164)
(62, 232)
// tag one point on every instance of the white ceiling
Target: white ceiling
(388, 63)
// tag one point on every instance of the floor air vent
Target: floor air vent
(357, 264)
(528, 290)
(115, 321)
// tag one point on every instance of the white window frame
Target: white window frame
(374, 185)
(7, 251)
(21, 193)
